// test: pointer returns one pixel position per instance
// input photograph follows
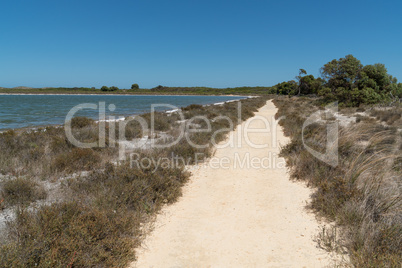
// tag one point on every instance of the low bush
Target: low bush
(69, 234)
(78, 159)
(21, 191)
(80, 122)
(193, 107)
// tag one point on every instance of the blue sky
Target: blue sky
(189, 43)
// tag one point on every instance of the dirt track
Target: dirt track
(238, 217)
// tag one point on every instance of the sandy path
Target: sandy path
(237, 217)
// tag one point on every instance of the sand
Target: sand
(236, 216)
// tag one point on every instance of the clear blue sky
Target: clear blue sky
(190, 43)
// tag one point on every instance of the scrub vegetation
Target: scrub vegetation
(76, 207)
(362, 195)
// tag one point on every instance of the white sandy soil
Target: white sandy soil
(238, 217)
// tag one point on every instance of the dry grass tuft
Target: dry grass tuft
(363, 193)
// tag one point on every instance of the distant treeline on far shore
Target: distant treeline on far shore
(159, 90)
(345, 80)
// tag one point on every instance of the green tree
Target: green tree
(308, 84)
(160, 87)
(395, 90)
(342, 73)
(300, 80)
(376, 76)
(105, 88)
(286, 88)
(398, 91)
(113, 88)
(351, 83)
(135, 86)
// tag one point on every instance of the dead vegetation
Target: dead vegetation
(362, 194)
(390, 116)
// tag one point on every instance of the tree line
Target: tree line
(345, 80)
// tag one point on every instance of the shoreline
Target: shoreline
(124, 94)
(98, 191)
(120, 117)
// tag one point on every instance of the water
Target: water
(18, 111)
